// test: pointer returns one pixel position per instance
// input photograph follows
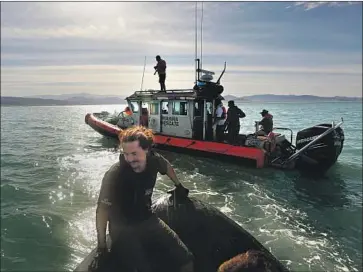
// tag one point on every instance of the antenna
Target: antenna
(196, 41)
(143, 73)
(201, 40)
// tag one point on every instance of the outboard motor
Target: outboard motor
(323, 153)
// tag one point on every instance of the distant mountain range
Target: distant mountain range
(88, 99)
(63, 99)
(289, 98)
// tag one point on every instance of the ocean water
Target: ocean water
(52, 164)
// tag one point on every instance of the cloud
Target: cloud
(313, 5)
(73, 46)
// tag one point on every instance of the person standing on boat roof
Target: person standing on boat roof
(220, 119)
(160, 67)
(266, 123)
(125, 202)
(232, 123)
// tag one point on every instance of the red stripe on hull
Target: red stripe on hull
(255, 154)
(251, 153)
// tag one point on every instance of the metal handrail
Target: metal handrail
(282, 128)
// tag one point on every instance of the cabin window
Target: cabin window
(165, 107)
(134, 107)
(154, 109)
(145, 105)
(180, 108)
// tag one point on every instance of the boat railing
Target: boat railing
(286, 129)
(180, 91)
(148, 92)
(153, 92)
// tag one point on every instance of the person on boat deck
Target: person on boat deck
(166, 109)
(125, 202)
(266, 123)
(232, 123)
(128, 111)
(161, 69)
(219, 121)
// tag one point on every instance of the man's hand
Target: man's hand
(226, 128)
(100, 258)
(179, 190)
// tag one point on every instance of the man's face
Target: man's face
(135, 155)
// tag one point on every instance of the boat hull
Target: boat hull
(212, 149)
(210, 235)
(208, 148)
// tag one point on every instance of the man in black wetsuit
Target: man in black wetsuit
(125, 202)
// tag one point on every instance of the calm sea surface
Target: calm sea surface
(52, 164)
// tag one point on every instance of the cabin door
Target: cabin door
(208, 121)
(135, 108)
(198, 119)
(154, 116)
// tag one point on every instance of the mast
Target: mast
(196, 42)
(201, 40)
(143, 73)
(198, 62)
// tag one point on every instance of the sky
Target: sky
(99, 48)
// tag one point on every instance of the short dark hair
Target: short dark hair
(218, 101)
(142, 134)
(231, 102)
(252, 260)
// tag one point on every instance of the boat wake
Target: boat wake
(288, 233)
(285, 230)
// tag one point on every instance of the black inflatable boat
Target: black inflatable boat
(212, 236)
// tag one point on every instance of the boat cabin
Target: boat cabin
(186, 113)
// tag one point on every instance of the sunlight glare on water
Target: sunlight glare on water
(51, 176)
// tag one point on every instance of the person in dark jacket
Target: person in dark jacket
(266, 123)
(232, 123)
(125, 203)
